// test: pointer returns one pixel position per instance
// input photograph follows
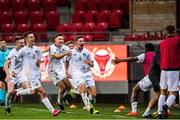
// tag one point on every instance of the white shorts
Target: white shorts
(86, 79)
(35, 82)
(18, 79)
(145, 84)
(169, 80)
(57, 76)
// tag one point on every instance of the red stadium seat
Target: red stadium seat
(79, 5)
(88, 17)
(131, 37)
(52, 19)
(34, 5)
(21, 28)
(7, 32)
(78, 25)
(5, 17)
(8, 28)
(18, 5)
(91, 25)
(104, 4)
(40, 30)
(101, 17)
(91, 5)
(37, 17)
(4, 5)
(103, 25)
(100, 34)
(87, 32)
(88, 37)
(77, 17)
(49, 5)
(114, 20)
(21, 17)
(9, 38)
(63, 28)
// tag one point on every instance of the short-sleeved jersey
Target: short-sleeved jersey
(18, 66)
(3, 55)
(29, 58)
(76, 65)
(56, 64)
(141, 58)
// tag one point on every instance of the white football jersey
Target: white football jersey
(56, 64)
(15, 66)
(29, 58)
(141, 58)
(76, 65)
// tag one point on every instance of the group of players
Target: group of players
(69, 68)
(161, 70)
(65, 64)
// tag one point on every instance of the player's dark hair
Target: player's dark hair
(77, 37)
(69, 42)
(170, 29)
(27, 33)
(149, 47)
(56, 35)
(18, 38)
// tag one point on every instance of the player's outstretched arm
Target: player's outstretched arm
(129, 59)
(59, 56)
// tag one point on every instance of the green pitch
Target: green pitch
(38, 111)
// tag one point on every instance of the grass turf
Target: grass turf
(38, 111)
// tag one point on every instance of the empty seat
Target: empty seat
(104, 4)
(101, 17)
(8, 28)
(103, 25)
(91, 25)
(40, 30)
(77, 17)
(63, 28)
(7, 32)
(114, 20)
(49, 5)
(52, 19)
(100, 34)
(21, 28)
(78, 26)
(5, 17)
(4, 5)
(88, 37)
(34, 5)
(91, 5)
(18, 5)
(9, 38)
(88, 17)
(37, 17)
(21, 17)
(79, 5)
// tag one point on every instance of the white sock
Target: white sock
(60, 98)
(170, 100)
(66, 93)
(48, 104)
(76, 91)
(161, 102)
(147, 112)
(134, 106)
(26, 91)
(85, 100)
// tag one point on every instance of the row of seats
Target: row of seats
(90, 30)
(113, 18)
(30, 5)
(51, 18)
(99, 5)
(144, 37)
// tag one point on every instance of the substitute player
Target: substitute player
(169, 65)
(144, 84)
